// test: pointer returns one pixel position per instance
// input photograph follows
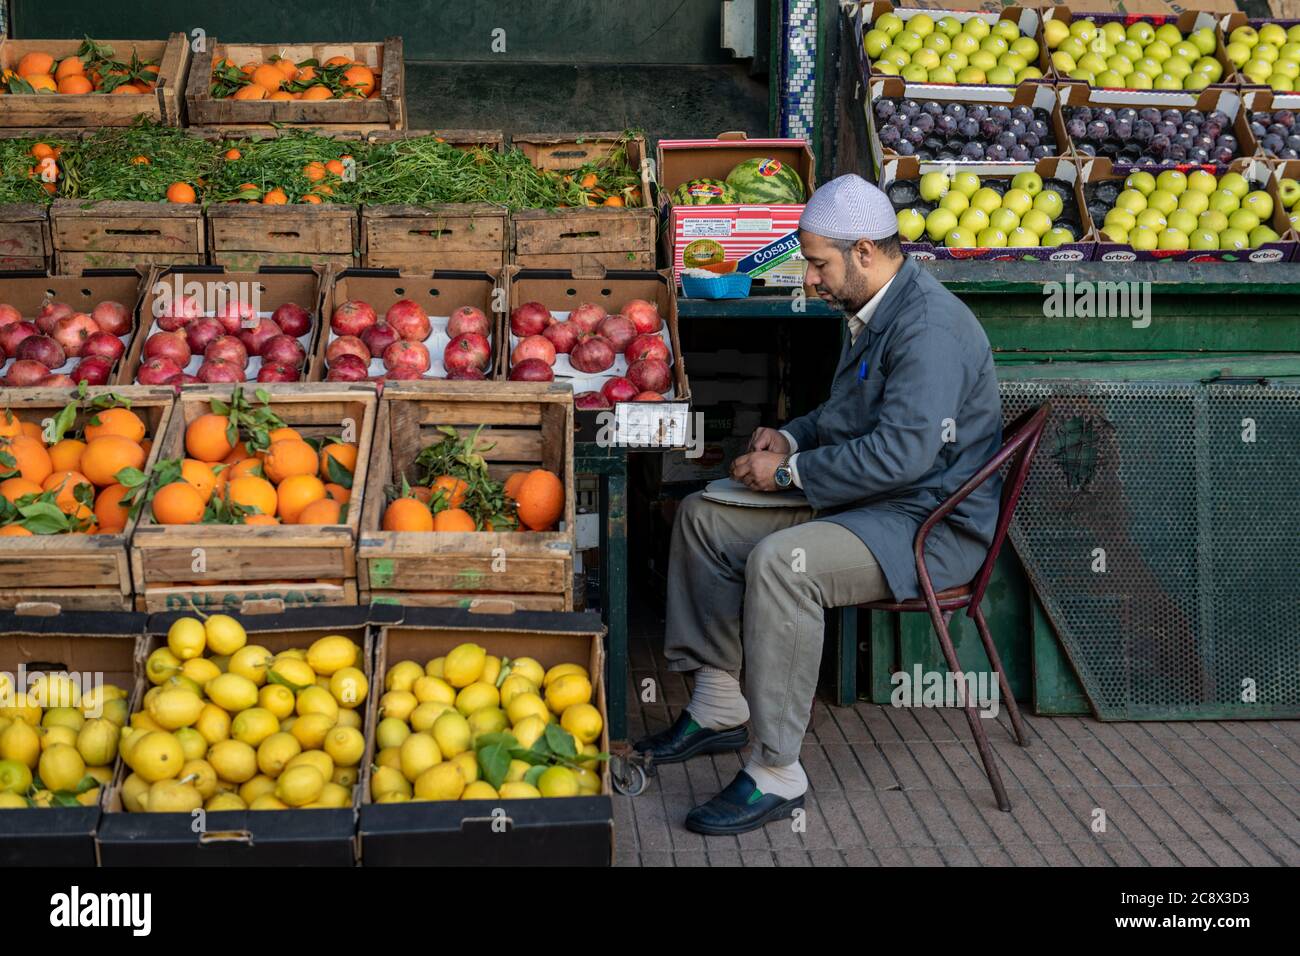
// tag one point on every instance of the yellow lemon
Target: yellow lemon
(559, 670)
(225, 801)
(513, 686)
(257, 786)
(160, 665)
(268, 801)
(90, 798)
(468, 764)
(61, 767)
(58, 735)
(334, 795)
(12, 801)
(592, 750)
(200, 670)
(187, 638)
(529, 669)
(276, 698)
(346, 776)
(479, 790)
(527, 705)
(254, 725)
(117, 711)
(424, 716)
(391, 732)
(224, 634)
(349, 687)
(349, 718)
(477, 696)
(440, 782)
(389, 757)
(133, 787)
(433, 689)
(311, 730)
(205, 778)
(22, 707)
(317, 700)
(516, 771)
(567, 690)
(528, 730)
(172, 796)
(174, 709)
(388, 780)
(250, 662)
(402, 675)
(142, 721)
(588, 781)
(452, 733)
(519, 791)
(398, 703)
(157, 756)
(487, 720)
(213, 724)
(393, 797)
(233, 760)
(275, 752)
(103, 774)
(557, 782)
(583, 721)
(434, 667)
(491, 670)
(464, 665)
(345, 745)
(232, 692)
(193, 746)
(333, 653)
(313, 758)
(289, 670)
(419, 752)
(69, 717)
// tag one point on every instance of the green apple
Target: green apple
(1056, 237)
(1204, 40)
(1166, 81)
(1120, 64)
(1144, 238)
(1006, 29)
(1022, 238)
(1029, 181)
(1243, 219)
(1194, 201)
(15, 777)
(1287, 68)
(1172, 181)
(926, 58)
(1092, 62)
(983, 60)
(972, 75)
(1294, 219)
(1085, 75)
(942, 75)
(889, 23)
(1289, 51)
(1203, 239)
(1048, 202)
(1261, 234)
(1293, 33)
(1167, 33)
(1024, 46)
(911, 224)
(977, 28)
(1162, 202)
(1119, 218)
(1029, 73)
(1235, 183)
(1244, 34)
(1289, 190)
(1224, 201)
(1013, 61)
(956, 202)
(1152, 219)
(1234, 239)
(1172, 239)
(1018, 200)
(886, 67)
(1260, 203)
(1110, 80)
(1003, 220)
(1202, 181)
(1267, 54)
(1132, 200)
(1272, 34)
(1138, 81)
(1238, 54)
(991, 238)
(899, 57)
(1147, 65)
(1183, 221)
(875, 43)
(1055, 32)
(1196, 81)
(1188, 51)
(1115, 233)
(995, 44)
(1084, 30)
(938, 42)
(965, 183)
(1074, 47)
(909, 41)
(949, 27)
(1062, 62)
(985, 199)
(1142, 181)
(1142, 32)
(965, 44)
(1036, 221)
(914, 73)
(976, 220)
(939, 223)
(1280, 83)
(954, 61)
(1257, 71)
(922, 24)
(1129, 50)
(1176, 66)
(1213, 220)
(1114, 32)
(959, 238)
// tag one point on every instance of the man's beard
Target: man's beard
(852, 297)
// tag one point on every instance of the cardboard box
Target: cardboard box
(549, 832)
(1075, 95)
(94, 649)
(761, 240)
(1187, 21)
(1255, 100)
(1260, 174)
(317, 837)
(907, 168)
(1257, 94)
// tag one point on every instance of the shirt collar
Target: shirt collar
(860, 321)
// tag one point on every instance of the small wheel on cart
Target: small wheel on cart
(628, 777)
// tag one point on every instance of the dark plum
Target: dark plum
(955, 110)
(1077, 129)
(925, 122)
(972, 151)
(1000, 114)
(1020, 154)
(885, 109)
(996, 154)
(969, 127)
(978, 112)
(989, 129)
(889, 137)
(932, 109)
(1040, 152)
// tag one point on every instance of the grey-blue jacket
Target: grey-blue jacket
(913, 413)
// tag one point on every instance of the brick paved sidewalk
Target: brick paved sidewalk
(905, 786)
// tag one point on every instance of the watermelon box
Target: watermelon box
(750, 226)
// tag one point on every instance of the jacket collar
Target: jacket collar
(886, 311)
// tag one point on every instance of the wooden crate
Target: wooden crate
(114, 234)
(77, 572)
(616, 238)
(25, 242)
(532, 426)
(214, 285)
(299, 566)
(441, 236)
(94, 110)
(245, 238)
(385, 111)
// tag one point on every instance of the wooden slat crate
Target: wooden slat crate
(532, 427)
(77, 572)
(245, 238)
(93, 110)
(385, 111)
(25, 242)
(616, 238)
(299, 566)
(116, 234)
(442, 236)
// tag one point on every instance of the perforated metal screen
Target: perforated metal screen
(1161, 529)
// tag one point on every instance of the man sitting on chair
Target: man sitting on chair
(913, 412)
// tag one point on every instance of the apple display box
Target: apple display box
(907, 169)
(1257, 172)
(1027, 21)
(1280, 99)
(1036, 96)
(92, 648)
(574, 831)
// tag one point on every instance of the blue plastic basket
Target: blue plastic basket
(731, 285)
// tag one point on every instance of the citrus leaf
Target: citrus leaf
(562, 743)
(494, 761)
(534, 774)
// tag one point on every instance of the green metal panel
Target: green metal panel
(1057, 690)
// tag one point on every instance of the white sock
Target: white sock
(716, 702)
(785, 782)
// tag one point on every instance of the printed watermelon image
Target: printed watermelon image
(703, 192)
(766, 181)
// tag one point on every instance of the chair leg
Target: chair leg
(1004, 686)
(940, 622)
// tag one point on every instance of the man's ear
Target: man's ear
(864, 250)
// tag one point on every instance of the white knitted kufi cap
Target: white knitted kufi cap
(849, 207)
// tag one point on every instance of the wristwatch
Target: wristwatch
(784, 478)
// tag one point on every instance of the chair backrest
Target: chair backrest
(1017, 453)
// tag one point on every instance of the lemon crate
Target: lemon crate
(286, 564)
(530, 425)
(91, 648)
(567, 830)
(316, 837)
(79, 572)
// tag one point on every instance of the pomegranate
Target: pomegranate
(93, 370)
(469, 373)
(275, 372)
(409, 319)
(284, 350)
(13, 334)
(185, 378)
(468, 318)
(532, 370)
(201, 333)
(112, 317)
(347, 345)
(618, 389)
(646, 346)
(529, 319)
(255, 338)
(592, 354)
(235, 316)
(590, 400)
(61, 380)
(403, 373)
(104, 345)
(562, 335)
(176, 314)
(587, 316)
(650, 375)
(72, 331)
(346, 372)
(216, 371)
(158, 371)
(470, 349)
(352, 361)
(644, 315)
(352, 318)
(9, 315)
(535, 346)
(26, 372)
(378, 337)
(49, 315)
(43, 349)
(226, 348)
(648, 397)
(170, 345)
(292, 319)
(619, 330)
(409, 354)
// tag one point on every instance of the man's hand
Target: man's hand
(757, 470)
(768, 439)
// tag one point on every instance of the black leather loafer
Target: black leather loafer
(739, 808)
(685, 738)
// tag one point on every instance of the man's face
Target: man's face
(839, 278)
